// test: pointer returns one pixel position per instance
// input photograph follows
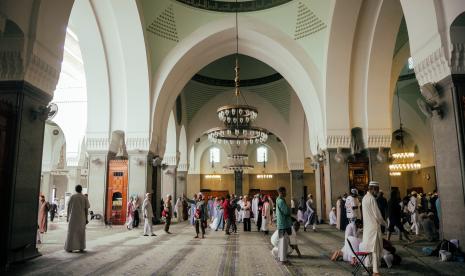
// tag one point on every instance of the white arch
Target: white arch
(84, 23)
(338, 63)
(170, 156)
(378, 75)
(116, 62)
(256, 39)
(183, 165)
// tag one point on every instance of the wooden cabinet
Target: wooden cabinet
(117, 192)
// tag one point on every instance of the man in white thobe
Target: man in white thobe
(148, 215)
(352, 206)
(372, 221)
(78, 207)
(412, 207)
(255, 207)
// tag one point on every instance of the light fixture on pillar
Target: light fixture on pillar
(237, 117)
(403, 160)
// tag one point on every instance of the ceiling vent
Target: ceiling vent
(164, 25)
(307, 22)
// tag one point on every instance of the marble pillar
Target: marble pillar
(379, 170)
(156, 190)
(181, 184)
(168, 181)
(23, 118)
(96, 180)
(449, 150)
(337, 174)
(297, 184)
(139, 174)
(238, 175)
(45, 184)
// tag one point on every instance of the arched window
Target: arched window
(410, 63)
(214, 155)
(262, 154)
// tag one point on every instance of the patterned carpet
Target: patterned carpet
(117, 251)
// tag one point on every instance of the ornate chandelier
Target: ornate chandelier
(237, 117)
(403, 160)
(238, 163)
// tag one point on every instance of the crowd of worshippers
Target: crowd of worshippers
(415, 214)
(220, 213)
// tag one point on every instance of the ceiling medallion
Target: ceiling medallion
(237, 117)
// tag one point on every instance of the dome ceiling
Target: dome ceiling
(250, 68)
(230, 5)
(218, 78)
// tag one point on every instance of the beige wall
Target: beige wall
(250, 181)
(415, 179)
(226, 183)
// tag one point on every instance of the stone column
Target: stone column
(97, 151)
(168, 181)
(139, 174)
(238, 182)
(319, 192)
(181, 180)
(449, 151)
(337, 174)
(156, 188)
(379, 169)
(23, 118)
(45, 186)
(96, 180)
(297, 183)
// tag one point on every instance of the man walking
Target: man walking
(78, 207)
(284, 224)
(227, 213)
(372, 221)
(168, 213)
(148, 215)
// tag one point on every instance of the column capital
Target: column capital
(433, 67)
(137, 143)
(379, 138)
(296, 165)
(338, 141)
(97, 145)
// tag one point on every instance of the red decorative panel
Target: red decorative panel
(117, 191)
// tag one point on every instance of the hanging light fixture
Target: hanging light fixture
(237, 117)
(403, 160)
(238, 163)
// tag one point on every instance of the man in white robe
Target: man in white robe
(352, 206)
(412, 207)
(255, 207)
(332, 216)
(372, 221)
(78, 207)
(148, 215)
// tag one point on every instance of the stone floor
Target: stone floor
(116, 251)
